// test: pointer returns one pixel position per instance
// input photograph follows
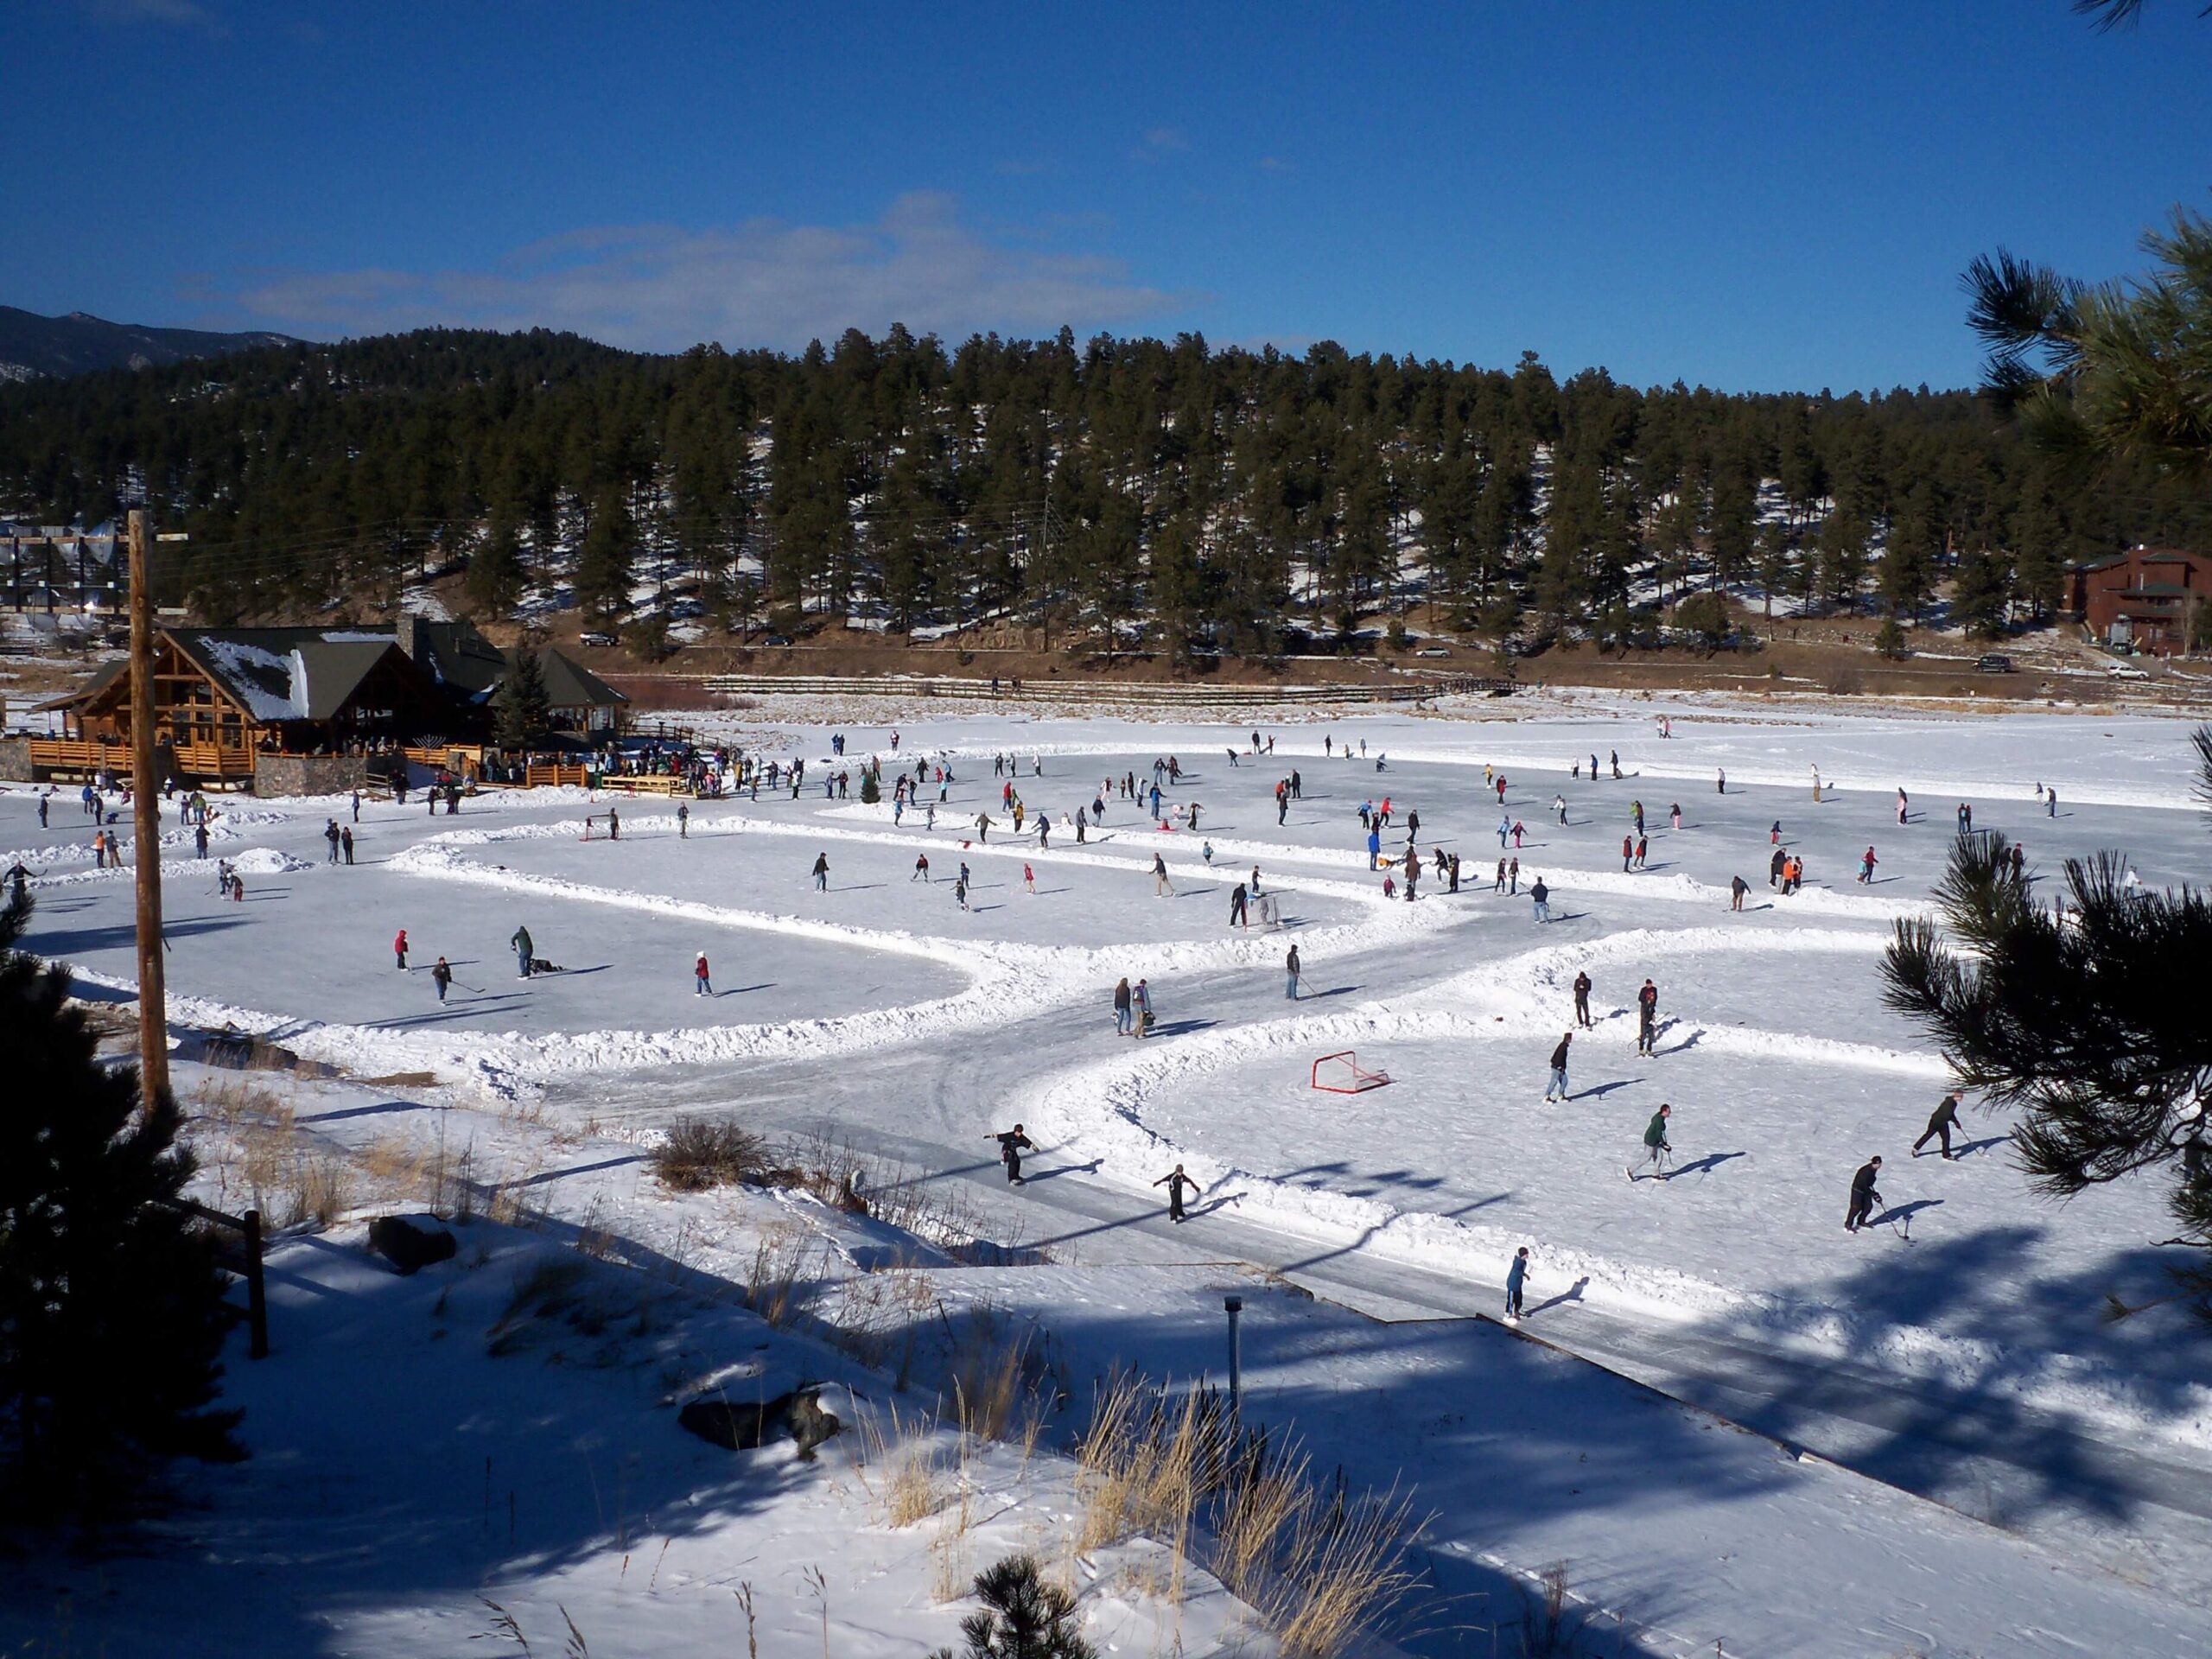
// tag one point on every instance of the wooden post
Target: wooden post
(256, 1294)
(146, 802)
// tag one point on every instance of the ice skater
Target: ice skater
(1124, 1020)
(1940, 1125)
(1658, 1152)
(1867, 863)
(1647, 1018)
(525, 953)
(1539, 897)
(1291, 970)
(1864, 1197)
(822, 871)
(1516, 1278)
(442, 977)
(1012, 1144)
(1582, 1001)
(1160, 884)
(1556, 1088)
(706, 984)
(399, 949)
(1175, 1181)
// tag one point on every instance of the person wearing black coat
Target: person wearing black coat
(1940, 1124)
(1582, 1001)
(1864, 1197)
(1012, 1143)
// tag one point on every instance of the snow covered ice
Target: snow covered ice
(2025, 1475)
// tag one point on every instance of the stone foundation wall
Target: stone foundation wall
(309, 774)
(16, 759)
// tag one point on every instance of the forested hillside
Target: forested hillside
(1198, 498)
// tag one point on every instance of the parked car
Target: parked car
(2122, 672)
(777, 639)
(1994, 661)
(600, 641)
(1432, 651)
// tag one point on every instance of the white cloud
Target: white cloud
(763, 282)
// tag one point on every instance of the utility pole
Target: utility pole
(146, 808)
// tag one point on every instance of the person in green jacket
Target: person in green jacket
(1656, 1151)
(523, 955)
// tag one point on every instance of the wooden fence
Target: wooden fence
(49, 755)
(243, 1259)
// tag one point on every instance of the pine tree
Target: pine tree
(2094, 1026)
(871, 792)
(496, 577)
(1022, 1617)
(1978, 593)
(603, 567)
(112, 1313)
(521, 709)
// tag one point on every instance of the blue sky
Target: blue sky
(1753, 196)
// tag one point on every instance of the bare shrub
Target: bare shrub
(1544, 1626)
(701, 1153)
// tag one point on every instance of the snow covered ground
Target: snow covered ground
(1967, 1363)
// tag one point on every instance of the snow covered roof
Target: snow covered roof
(283, 674)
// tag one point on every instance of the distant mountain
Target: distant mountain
(33, 347)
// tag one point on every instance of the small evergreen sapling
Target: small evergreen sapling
(1022, 1616)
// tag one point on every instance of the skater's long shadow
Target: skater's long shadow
(1572, 1294)
(765, 985)
(858, 886)
(1334, 990)
(1905, 1211)
(1983, 1145)
(1181, 1027)
(1090, 1168)
(1599, 1090)
(1571, 916)
(1711, 1161)
(1688, 1042)
(383, 1109)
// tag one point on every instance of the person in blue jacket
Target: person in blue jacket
(1516, 1277)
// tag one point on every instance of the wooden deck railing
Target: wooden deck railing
(547, 774)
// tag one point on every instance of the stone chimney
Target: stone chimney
(410, 632)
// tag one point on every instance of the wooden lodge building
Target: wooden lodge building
(229, 701)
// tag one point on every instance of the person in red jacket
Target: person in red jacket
(399, 949)
(706, 987)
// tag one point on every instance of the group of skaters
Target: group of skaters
(1014, 1141)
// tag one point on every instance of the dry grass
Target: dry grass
(996, 1377)
(1320, 1566)
(904, 1457)
(881, 1315)
(779, 1288)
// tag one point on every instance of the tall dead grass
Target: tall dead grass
(1320, 1566)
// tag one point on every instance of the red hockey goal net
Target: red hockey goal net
(1342, 1074)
